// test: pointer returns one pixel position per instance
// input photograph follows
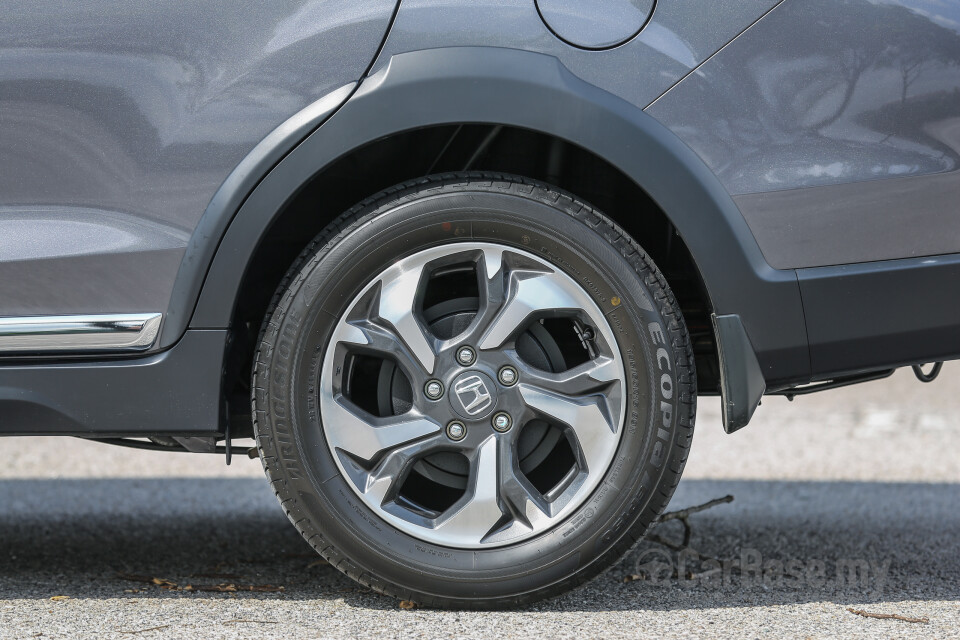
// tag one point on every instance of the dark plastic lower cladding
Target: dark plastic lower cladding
(882, 314)
(176, 392)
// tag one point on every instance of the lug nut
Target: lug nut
(456, 430)
(508, 376)
(433, 389)
(466, 356)
(501, 422)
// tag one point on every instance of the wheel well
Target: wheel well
(460, 147)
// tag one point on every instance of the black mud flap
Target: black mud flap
(741, 380)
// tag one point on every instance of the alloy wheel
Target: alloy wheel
(472, 394)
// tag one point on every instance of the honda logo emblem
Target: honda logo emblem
(473, 394)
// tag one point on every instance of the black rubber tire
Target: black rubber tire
(621, 278)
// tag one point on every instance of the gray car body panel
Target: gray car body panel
(119, 121)
(149, 148)
(679, 36)
(836, 126)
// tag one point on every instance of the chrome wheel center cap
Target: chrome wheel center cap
(473, 395)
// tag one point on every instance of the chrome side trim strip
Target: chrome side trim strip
(55, 334)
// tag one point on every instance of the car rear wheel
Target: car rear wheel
(473, 390)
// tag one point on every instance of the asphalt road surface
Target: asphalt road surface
(844, 500)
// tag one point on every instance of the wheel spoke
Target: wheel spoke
(366, 437)
(530, 292)
(527, 505)
(381, 340)
(398, 294)
(381, 483)
(491, 272)
(587, 416)
(492, 265)
(481, 512)
(594, 376)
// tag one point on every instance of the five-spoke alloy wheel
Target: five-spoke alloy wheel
(523, 454)
(473, 391)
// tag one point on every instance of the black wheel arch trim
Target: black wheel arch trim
(515, 88)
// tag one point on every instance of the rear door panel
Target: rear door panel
(120, 119)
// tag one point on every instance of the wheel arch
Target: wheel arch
(423, 90)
